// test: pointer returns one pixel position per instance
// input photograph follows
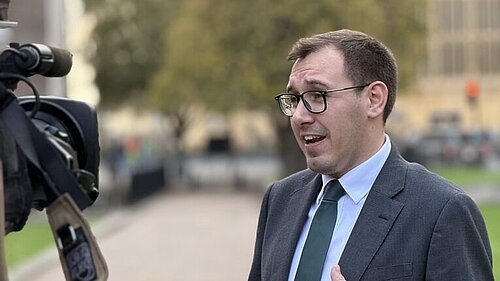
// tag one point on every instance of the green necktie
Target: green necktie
(318, 240)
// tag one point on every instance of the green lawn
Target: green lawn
(36, 236)
(491, 215)
(464, 176)
(31, 240)
(468, 175)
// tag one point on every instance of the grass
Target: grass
(469, 175)
(36, 235)
(31, 240)
(491, 215)
(474, 176)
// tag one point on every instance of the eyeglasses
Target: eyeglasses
(314, 101)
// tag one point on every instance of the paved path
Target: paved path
(175, 236)
(484, 194)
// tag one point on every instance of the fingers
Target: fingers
(336, 275)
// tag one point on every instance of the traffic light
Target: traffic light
(472, 91)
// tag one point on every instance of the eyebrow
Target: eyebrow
(310, 82)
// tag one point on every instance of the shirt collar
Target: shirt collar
(358, 181)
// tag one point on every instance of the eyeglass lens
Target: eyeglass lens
(313, 101)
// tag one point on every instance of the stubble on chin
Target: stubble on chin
(323, 166)
(315, 165)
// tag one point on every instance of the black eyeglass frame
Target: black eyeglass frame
(323, 93)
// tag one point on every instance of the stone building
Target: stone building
(462, 50)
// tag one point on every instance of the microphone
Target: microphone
(44, 60)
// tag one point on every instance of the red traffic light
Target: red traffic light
(472, 89)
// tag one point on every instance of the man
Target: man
(392, 220)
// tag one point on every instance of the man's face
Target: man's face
(333, 141)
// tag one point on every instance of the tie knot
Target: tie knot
(333, 191)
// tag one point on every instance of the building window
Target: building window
(482, 15)
(495, 17)
(459, 57)
(444, 15)
(465, 38)
(495, 57)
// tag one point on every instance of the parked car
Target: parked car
(444, 147)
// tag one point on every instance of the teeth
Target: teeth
(310, 138)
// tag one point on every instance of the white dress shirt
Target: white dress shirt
(357, 183)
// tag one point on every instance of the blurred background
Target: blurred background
(184, 92)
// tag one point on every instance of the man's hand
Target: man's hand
(336, 275)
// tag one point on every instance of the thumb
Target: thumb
(336, 275)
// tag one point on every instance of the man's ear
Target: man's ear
(377, 98)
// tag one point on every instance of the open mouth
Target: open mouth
(313, 139)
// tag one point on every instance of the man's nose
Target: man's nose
(301, 115)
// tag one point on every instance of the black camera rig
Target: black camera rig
(58, 136)
(49, 158)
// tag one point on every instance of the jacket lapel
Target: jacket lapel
(297, 210)
(376, 218)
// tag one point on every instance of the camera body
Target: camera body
(72, 127)
(56, 139)
(76, 124)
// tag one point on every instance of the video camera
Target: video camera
(49, 157)
(49, 145)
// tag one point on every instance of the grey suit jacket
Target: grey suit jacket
(414, 225)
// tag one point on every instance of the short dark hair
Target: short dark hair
(365, 59)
